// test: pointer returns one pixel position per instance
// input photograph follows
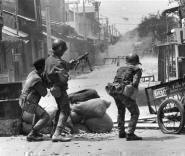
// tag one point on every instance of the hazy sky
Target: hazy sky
(118, 11)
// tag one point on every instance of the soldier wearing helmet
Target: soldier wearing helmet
(56, 72)
(128, 77)
(133, 59)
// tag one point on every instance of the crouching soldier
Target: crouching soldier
(56, 71)
(128, 77)
(33, 89)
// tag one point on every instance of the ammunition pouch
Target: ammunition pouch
(114, 89)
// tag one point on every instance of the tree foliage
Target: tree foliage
(157, 26)
(180, 2)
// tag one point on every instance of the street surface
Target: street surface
(154, 141)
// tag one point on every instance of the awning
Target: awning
(13, 32)
(92, 37)
(88, 9)
(52, 37)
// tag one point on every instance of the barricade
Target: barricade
(10, 112)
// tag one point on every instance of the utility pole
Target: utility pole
(75, 11)
(75, 15)
(63, 13)
(1, 19)
(96, 7)
(16, 18)
(48, 27)
(84, 21)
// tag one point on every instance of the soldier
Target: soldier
(56, 71)
(33, 89)
(128, 76)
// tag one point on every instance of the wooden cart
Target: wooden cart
(167, 98)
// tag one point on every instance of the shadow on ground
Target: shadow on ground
(159, 138)
(92, 139)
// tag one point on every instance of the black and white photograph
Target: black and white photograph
(92, 77)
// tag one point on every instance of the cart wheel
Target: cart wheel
(170, 116)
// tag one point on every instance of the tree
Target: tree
(156, 25)
(180, 2)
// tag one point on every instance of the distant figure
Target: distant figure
(33, 89)
(56, 71)
(129, 77)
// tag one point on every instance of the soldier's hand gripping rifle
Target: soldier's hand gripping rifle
(81, 58)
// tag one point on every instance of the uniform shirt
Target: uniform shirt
(54, 63)
(33, 88)
(128, 74)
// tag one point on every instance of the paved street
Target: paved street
(154, 141)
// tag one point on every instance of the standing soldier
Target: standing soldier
(56, 72)
(33, 89)
(129, 77)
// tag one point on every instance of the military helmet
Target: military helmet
(57, 43)
(133, 59)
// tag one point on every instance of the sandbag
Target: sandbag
(100, 125)
(27, 117)
(75, 117)
(80, 129)
(91, 108)
(83, 95)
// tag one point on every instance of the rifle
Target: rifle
(85, 58)
(82, 57)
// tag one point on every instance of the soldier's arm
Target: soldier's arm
(57, 69)
(41, 89)
(136, 78)
(71, 64)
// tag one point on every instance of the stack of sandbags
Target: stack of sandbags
(83, 95)
(100, 125)
(49, 104)
(92, 114)
(91, 108)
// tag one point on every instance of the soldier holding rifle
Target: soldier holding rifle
(56, 71)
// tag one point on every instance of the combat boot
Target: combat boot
(33, 137)
(132, 137)
(39, 134)
(57, 138)
(122, 134)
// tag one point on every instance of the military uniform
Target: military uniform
(33, 89)
(56, 70)
(129, 74)
(31, 94)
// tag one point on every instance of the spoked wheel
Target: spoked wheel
(170, 116)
